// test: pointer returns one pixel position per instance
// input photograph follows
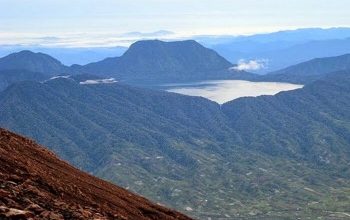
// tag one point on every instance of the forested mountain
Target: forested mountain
(309, 120)
(8, 77)
(155, 60)
(144, 63)
(33, 62)
(311, 70)
(35, 184)
(266, 156)
(29, 66)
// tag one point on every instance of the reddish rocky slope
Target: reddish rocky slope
(34, 183)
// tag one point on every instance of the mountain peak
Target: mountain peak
(155, 44)
(25, 52)
(34, 62)
(157, 41)
(28, 53)
(156, 60)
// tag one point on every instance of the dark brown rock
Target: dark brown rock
(12, 213)
(36, 184)
(35, 208)
(4, 193)
(51, 215)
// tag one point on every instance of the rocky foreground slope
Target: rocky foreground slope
(36, 184)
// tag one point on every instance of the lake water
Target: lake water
(222, 91)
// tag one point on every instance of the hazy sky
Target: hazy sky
(21, 19)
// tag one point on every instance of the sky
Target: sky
(90, 21)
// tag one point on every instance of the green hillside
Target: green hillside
(277, 156)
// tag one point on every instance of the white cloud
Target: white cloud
(249, 65)
(91, 39)
(98, 81)
(160, 33)
(57, 77)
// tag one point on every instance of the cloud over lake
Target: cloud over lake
(250, 65)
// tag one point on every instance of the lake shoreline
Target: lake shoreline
(222, 91)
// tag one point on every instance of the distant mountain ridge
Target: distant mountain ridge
(145, 62)
(284, 48)
(68, 55)
(157, 60)
(310, 70)
(300, 35)
(33, 62)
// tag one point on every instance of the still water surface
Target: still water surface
(222, 91)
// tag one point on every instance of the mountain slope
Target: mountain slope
(37, 183)
(307, 123)
(33, 62)
(270, 156)
(8, 77)
(311, 70)
(149, 137)
(156, 60)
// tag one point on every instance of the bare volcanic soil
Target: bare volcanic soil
(36, 184)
